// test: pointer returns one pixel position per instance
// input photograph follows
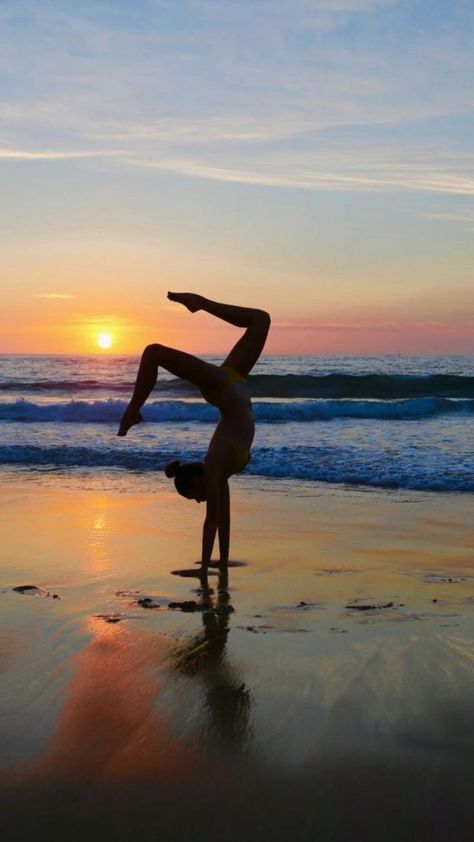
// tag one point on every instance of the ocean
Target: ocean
(388, 422)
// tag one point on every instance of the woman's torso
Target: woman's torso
(235, 431)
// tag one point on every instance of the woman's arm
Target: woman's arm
(224, 523)
(213, 504)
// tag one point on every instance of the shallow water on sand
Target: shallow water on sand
(324, 689)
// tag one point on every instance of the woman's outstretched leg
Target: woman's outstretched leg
(203, 375)
(246, 352)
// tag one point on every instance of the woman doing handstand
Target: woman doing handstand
(222, 386)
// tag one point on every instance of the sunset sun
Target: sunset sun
(104, 340)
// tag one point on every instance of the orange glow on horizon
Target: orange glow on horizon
(331, 332)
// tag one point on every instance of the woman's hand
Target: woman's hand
(217, 519)
(211, 522)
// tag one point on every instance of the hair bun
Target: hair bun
(172, 468)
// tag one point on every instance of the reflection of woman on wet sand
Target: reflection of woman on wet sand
(226, 388)
(227, 700)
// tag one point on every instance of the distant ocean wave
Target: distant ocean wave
(376, 386)
(109, 411)
(348, 466)
(368, 386)
(66, 386)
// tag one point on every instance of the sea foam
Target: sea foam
(110, 411)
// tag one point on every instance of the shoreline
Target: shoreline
(149, 481)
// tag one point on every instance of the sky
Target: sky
(311, 157)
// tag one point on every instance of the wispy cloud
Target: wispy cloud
(106, 320)
(396, 178)
(268, 82)
(376, 325)
(308, 9)
(53, 296)
(451, 177)
(238, 76)
(466, 217)
(183, 131)
(49, 154)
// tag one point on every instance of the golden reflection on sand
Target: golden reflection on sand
(109, 729)
(99, 557)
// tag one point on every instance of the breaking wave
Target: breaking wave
(109, 411)
(328, 464)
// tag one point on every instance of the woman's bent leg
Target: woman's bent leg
(203, 375)
(246, 352)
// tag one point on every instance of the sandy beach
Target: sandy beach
(325, 690)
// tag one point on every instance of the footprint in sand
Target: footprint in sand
(34, 590)
(143, 599)
(115, 617)
(437, 577)
(263, 629)
(372, 607)
(298, 607)
(336, 571)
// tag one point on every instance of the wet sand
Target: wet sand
(325, 690)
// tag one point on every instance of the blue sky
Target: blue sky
(316, 151)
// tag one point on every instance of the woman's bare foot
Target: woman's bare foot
(190, 300)
(129, 418)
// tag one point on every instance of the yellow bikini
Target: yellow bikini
(233, 376)
(242, 455)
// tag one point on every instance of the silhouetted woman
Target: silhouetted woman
(222, 386)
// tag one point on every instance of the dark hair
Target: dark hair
(184, 475)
